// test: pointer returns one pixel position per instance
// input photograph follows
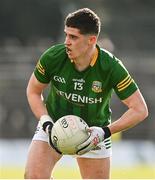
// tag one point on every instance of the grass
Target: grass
(135, 172)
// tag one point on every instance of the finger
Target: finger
(86, 149)
(49, 128)
(84, 144)
(51, 143)
(89, 130)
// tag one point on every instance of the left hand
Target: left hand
(47, 124)
(96, 136)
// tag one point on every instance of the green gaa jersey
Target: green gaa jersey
(86, 94)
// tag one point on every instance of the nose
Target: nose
(67, 41)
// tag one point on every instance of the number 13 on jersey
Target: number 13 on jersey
(78, 86)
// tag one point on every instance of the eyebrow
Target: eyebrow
(70, 34)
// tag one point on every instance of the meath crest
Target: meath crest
(97, 86)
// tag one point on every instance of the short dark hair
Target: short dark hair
(85, 20)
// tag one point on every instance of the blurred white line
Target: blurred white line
(125, 153)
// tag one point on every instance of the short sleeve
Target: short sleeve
(41, 71)
(122, 82)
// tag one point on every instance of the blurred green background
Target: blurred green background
(27, 28)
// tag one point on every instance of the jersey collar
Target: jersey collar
(94, 59)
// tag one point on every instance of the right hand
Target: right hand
(96, 136)
(47, 124)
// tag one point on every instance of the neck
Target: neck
(82, 62)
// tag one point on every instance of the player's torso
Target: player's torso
(79, 88)
(81, 93)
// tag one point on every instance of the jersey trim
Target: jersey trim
(94, 59)
(125, 83)
(40, 68)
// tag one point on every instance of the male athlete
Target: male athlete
(82, 77)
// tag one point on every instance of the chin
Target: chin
(71, 57)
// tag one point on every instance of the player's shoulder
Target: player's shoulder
(107, 56)
(107, 59)
(55, 51)
(53, 56)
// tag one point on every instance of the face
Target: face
(76, 43)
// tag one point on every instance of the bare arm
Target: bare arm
(137, 112)
(34, 96)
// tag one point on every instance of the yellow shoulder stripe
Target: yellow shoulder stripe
(120, 89)
(119, 84)
(124, 83)
(40, 68)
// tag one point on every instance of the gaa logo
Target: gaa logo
(64, 123)
(59, 79)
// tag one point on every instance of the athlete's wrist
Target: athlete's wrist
(46, 121)
(107, 132)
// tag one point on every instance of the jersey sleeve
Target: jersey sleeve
(41, 70)
(49, 62)
(123, 83)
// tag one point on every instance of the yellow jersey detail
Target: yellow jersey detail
(40, 68)
(94, 59)
(125, 83)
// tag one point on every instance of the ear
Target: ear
(92, 39)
